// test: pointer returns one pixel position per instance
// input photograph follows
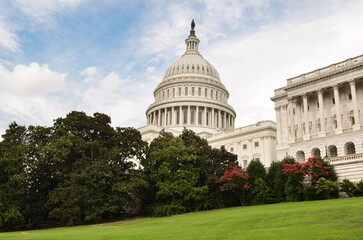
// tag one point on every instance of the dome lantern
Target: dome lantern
(192, 42)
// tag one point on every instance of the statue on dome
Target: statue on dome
(193, 24)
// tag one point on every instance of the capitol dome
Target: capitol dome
(191, 95)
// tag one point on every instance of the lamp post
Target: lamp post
(326, 151)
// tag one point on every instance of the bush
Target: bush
(168, 210)
(310, 193)
(359, 187)
(261, 193)
(326, 189)
(348, 187)
(293, 189)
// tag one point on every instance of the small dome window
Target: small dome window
(187, 66)
(193, 67)
(203, 68)
(207, 69)
(198, 67)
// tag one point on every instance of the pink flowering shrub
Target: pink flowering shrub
(308, 172)
(235, 180)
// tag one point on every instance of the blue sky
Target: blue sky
(108, 56)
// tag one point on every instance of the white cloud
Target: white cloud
(36, 79)
(23, 94)
(42, 10)
(89, 74)
(8, 39)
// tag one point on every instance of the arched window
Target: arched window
(205, 92)
(211, 93)
(192, 91)
(256, 156)
(186, 91)
(199, 92)
(180, 91)
(349, 148)
(300, 156)
(163, 94)
(315, 152)
(332, 151)
(173, 92)
(168, 93)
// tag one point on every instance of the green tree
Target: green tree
(348, 187)
(261, 193)
(256, 170)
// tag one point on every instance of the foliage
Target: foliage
(294, 189)
(359, 186)
(348, 187)
(261, 193)
(76, 170)
(235, 180)
(326, 189)
(256, 170)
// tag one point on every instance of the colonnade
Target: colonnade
(285, 114)
(191, 116)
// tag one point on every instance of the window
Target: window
(192, 91)
(180, 91)
(244, 163)
(317, 105)
(349, 96)
(199, 117)
(163, 94)
(178, 117)
(205, 92)
(186, 91)
(244, 146)
(199, 92)
(168, 93)
(333, 100)
(173, 92)
(256, 144)
(211, 93)
(192, 117)
(185, 117)
(293, 111)
(193, 67)
(231, 150)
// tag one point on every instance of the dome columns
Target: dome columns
(191, 116)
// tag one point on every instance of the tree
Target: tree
(235, 180)
(326, 189)
(173, 175)
(261, 193)
(348, 187)
(256, 170)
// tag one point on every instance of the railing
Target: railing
(358, 156)
(326, 70)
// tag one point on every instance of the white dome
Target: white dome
(191, 64)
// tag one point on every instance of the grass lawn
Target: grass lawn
(330, 219)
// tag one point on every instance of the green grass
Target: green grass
(330, 219)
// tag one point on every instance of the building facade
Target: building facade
(191, 95)
(320, 113)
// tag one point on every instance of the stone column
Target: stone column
(227, 121)
(224, 121)
(339, 128)
(306, 118)
(278, 125)
(196, 119)
(292, 121)
(165, 117)
(180, 115)
(188, 116)
(205, 116)
(212, 118)
(322, 133)
(356, 125)
(159, 117)
(172, 116)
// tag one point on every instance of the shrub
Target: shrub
(310, 193)
(261, 193)
(348, 187)
(359, 187)
(168, 210)
(326, 189)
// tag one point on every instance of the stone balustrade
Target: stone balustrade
(342, 159)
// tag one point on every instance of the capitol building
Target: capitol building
(317, 113)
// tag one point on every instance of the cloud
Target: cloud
(24, 94)
(8, 39)
(89, 74)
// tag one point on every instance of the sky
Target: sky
(57, 56)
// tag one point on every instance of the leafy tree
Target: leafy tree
(348, 187)
(235, 180)
(171, 168)
(326, 189)
(261, 193)
(256, 170)
(359, 186)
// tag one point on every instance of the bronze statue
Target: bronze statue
(193, 24)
